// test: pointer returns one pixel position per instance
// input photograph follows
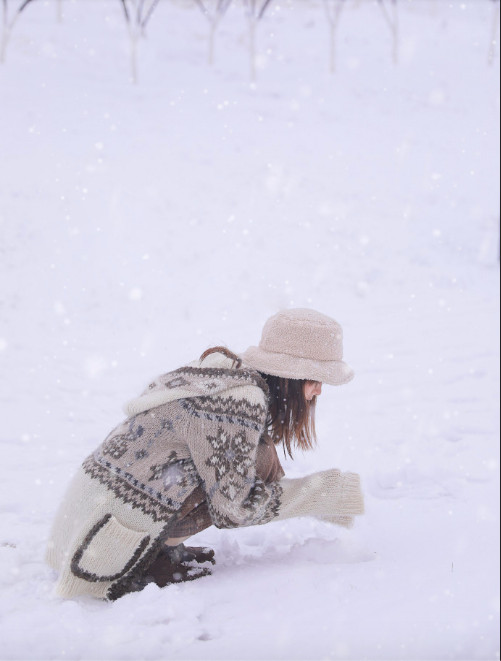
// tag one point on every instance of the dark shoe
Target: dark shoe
(176, 564)
(198, 554)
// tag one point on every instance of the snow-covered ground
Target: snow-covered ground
(140, 224)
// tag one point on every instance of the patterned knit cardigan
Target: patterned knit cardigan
(193, 431)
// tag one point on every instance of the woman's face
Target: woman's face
(312, 388)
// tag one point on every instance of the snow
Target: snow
(141, 224)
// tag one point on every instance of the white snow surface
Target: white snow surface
(141, 224)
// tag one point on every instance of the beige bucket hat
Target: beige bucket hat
(301, 344)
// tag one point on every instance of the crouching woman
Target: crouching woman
(197, 449)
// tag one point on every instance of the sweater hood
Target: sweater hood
(212, 376)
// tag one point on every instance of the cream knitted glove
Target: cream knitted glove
(329, 495)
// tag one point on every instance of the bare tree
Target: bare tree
(333, 10)
(213, 14)
(8, 24)
(137, 13)
(255, 11)
(391, 18)
(494, 33)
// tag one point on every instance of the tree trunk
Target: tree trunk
(133, 57)
(4, 40)
(392, 22)
(494, 34)
(252, 47)
(395, 34)
(333, 48)
(5, 30)
(212, 35)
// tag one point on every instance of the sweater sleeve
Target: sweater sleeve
(330, 495)
(223, 435)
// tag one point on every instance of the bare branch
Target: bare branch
(220, 10)
(203, 8)
(126, 11)
(265, 6)
(333, 16)
(149, 13)
(252, 8)
(25, 4)
(7, 26)
(391, 23)
(139, 11)
(222, 6)
(250, 5)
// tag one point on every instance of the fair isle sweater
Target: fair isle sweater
(192, 435)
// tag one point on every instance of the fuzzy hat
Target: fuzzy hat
(301, 344)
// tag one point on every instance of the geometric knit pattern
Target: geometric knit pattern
(159, 463)
(190, 453)
(155, 459)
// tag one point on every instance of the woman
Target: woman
(198, 448)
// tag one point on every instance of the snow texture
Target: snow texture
(141, 224)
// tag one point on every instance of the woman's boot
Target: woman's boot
(176, 564)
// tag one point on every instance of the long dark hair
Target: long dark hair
(291, 417)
